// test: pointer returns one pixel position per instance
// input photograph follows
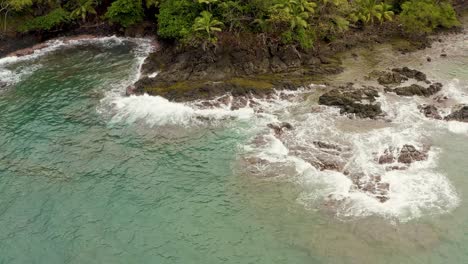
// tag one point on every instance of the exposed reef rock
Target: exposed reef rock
(416, 89)
(322, 155)
(280, 128)
(407, 155)
(372, 185)
(459, 113)
(411, 74)
(430, 111)
(389, 78)
(398, 76)
(196, 74)
(358, 102)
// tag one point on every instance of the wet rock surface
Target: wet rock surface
(410, 73)
(407, 155)
(358, 102)
(372, 185)
(417, 90)
(203, 74)
(389, 78)
(279, 128)
(430, 111)
(459, 113)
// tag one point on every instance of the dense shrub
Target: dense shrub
(54, 19)
(125, 12)
(176, 18)
(423, 16)
(296, 22)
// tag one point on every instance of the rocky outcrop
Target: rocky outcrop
(208, 71)
(407, 155)
(410, 73)
(416, 89)
(280, 128)
(357, 102)
(398, 76)
(372, 185)
(430, 111)
(459, 113)
(389, 78)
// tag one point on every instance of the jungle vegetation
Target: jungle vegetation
(200, 22)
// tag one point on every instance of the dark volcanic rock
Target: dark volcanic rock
(387, 157)
(409, 154)
(359, 102)
(430, 111)
(188, 73)
(416, 89)
(406, 155)
(130, 90)
(389, 78)
(280, 128)
(460, 113)
(409, 73)
(325, 145)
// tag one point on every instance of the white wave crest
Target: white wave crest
(10, 77)
(158, 111)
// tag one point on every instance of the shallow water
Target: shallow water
(90, 176)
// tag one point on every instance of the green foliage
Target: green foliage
(367, 11)
(17, 5)
(293, 12)
(84, 8)
(206, 24)
(152, 3)
(125, 12)
(331, 20)
(296, 22)
(423, 16)
(54, 19)
(176, 18)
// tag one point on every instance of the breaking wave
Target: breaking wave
(330, 157)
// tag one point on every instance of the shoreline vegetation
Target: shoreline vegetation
(207, 48)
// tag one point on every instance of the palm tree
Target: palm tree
(85, 7)
(208, 25)
(368, 10)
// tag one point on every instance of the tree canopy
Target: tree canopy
(299, 22)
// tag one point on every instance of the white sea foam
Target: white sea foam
(418, 191)
(13, 76)
(415, 192)
(158, 111)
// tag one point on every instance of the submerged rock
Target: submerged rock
(372, 185)
(460, 113)
(430, 111)
(280, 128)
(359, 102)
